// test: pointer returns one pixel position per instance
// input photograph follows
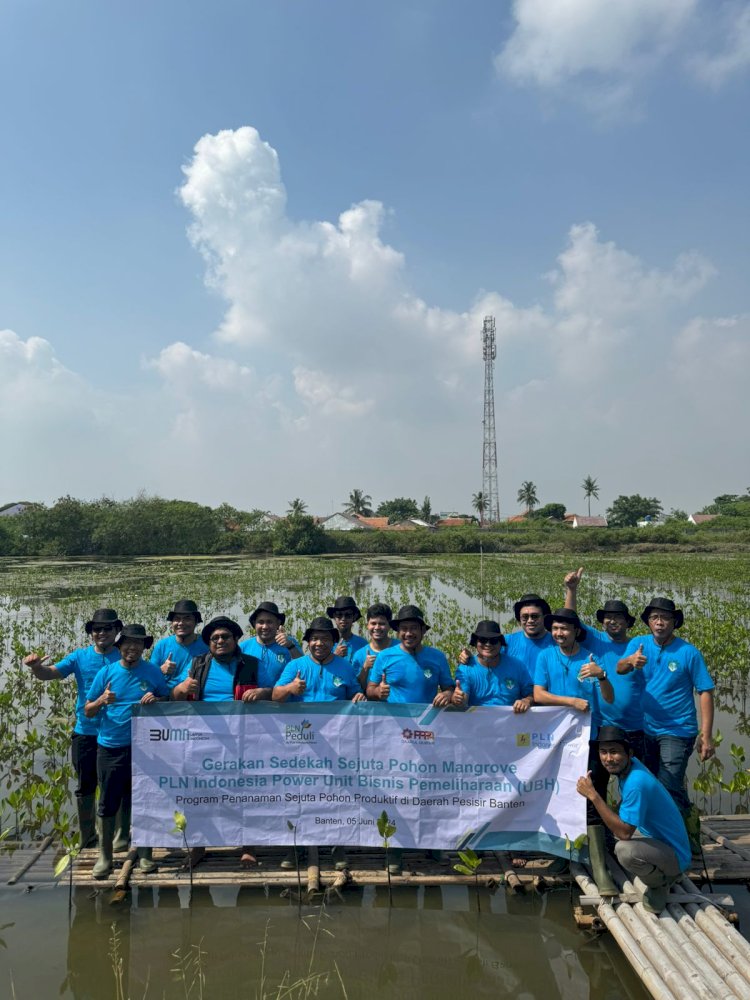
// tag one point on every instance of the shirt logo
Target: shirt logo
(428, 673)
(509, 683)
(144, 686)
(337, 681)
(673, 665)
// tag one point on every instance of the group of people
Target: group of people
(639, 693)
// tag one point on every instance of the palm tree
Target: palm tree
(479, 504)
(296, 508)
(527, 495)
(359, 502)
(590, 489)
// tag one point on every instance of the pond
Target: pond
(432, 941)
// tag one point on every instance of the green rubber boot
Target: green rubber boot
(122, 830)
(598, 862)
(692, 820)
(103, 867)
(87, 820)
(146, 861)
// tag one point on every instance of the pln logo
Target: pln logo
(523, 739)
(301, 732)
(417, 736)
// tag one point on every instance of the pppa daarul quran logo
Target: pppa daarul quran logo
(417, 736)
(301, 732)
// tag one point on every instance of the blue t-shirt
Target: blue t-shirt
(271, 659)
(527, 650)
(414, 679)
(626, 711)
(672, 673)
(332, 681)
(219, 684)
(500, 685)
(85, 664)
(128, 684)
(358, 660)
(558, 674)
(648, 806)
(181, 655)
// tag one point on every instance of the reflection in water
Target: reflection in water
(432, 942)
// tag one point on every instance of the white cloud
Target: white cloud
(731, 55)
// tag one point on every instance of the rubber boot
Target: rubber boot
(655, 898)
(692, 820)
(122, 830)
(87, 820)
(103, 867)
(145, 860)
(598, 861)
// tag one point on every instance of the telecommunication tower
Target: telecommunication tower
(489, 454)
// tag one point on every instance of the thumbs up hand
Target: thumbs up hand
(169, 666)
(590, 669)
(384, 688)
(369, 662)
(108, 697)
(464, 656)
(341, 649)
(458, 697)
(298, 685)
(638, 659)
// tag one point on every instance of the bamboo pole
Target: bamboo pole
(32, 860)
(641, 964)
(709, 952)
(723, 841)
(724, 937)
(512, 880)
(670, 967)
(313, 870)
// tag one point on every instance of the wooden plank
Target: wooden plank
(31, 861)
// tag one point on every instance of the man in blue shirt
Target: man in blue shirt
(566, 675)
(319, 676)
(533, 638)
(411, 672)
(84, 664)
(345, 613)
(271, 644)
(492, 676)
(174, 654)
(113, 692)
(651, 838)
(378, 618)
(673, 670)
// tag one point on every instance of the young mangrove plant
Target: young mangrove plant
(386, 829)
(469, 865)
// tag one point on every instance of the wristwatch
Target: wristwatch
(603, 676)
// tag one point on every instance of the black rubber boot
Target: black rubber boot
(103, 867)
(87, 820)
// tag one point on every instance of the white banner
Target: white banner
(485, 778)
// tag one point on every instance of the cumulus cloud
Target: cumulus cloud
(600, 54)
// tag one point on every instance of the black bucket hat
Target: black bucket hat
(271, 608)
(185, 608)
(568, 616)
(530, 599)
(615, 608)
(103, 616)
(613, 734)
(221, 622)
(344, 604)
(409, 612)
(663, 604)
(135, 632)
(487, 629)
(321, 624)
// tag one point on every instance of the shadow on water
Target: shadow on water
(431, 943)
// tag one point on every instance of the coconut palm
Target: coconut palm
(360, 503)
(479, 504)
(296, 508)
(527, 495)
(590, 489)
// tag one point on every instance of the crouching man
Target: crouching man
(651, 839)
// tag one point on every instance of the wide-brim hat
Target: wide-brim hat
(409, 612)
(135, 631)
(344, 604)
(185, 608)
(103, 616)
(615, 608)
(271, 609)
(487, 629)
(613, 734)
(530, 599)
(569, 617)
(321, 624)
(221, 622)
(663, 604)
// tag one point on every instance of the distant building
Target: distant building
(411, 524)
(373, 522)
(344, 522)
(454, 522)
(702, 518)
(12, 509)
(646, 522)
(584, 521)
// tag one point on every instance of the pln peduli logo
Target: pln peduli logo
(523, 739)
(299, 732)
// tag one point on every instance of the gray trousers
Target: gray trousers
(653, 861)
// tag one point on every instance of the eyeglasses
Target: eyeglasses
(221, 637)
(487, 642)
(661, 616)
(102, 628)
(530, 618)
(344, 614)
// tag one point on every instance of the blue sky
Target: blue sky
(272, 230)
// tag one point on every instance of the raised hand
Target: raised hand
(459, 697)
(282, 638)
(464, 656)
(169, 666)
(573, 578)
(33, 660)
(191, 687)
(384, 688)
(638, 659)
(369, 662)
(109, 696)
(341, 649)
(298, 685)
(590, 668)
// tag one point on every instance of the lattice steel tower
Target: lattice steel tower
(489, 454)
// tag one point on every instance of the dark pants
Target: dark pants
(600, 775)
(667, 757)
(115, 779)
(83, 755)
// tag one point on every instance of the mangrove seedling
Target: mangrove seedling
(574, 845)
(180, 826)
(469, 865)
(290, 826)
(386, 829)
